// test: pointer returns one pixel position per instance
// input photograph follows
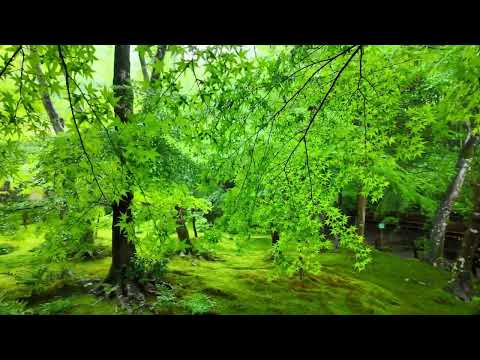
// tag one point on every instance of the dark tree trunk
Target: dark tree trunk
(194, 223)
(6, 190)
(378, 242)
(143, 64)
(361, 213)
(275, 237)
(6, 186)
(159, 56)
(437, 235)
(462, 285)
(415, 249)
(57, 122)
(182, 230)
(25, 219)
(123, 250)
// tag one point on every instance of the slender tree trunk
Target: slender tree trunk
(57, 122)
(194, 223)
(143, 64)
(123, 250)
(437, 235)
(275, 237)
(462, 285)
(159, 56)
(361, 213)
(182, 230)
(6, 186)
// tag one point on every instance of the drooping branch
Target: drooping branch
(293, 97)
(320, 106)
(67, 83)
(308, 167)
(9, 61)
(20, 91)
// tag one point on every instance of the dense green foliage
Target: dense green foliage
(254, 140)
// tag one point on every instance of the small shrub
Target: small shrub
(212, 236)
(198, 304)
(12, 307)
(55, 307)
(150, 269)
(165, 299)
(42, 278)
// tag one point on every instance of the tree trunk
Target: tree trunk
(462, 285)
(57, 122)
(182, 230)
(275, 237)
(194, 224)
(437, 235)
(379, 241)
(159, 56)
(123, 250)
(143, 64)
(6, 186)
(361, 213)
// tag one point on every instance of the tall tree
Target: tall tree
(143, 64)
(123, 250)
(361, 213)
(57, 122)
(462, 284)
(437, 235)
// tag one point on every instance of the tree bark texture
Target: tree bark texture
(194, 225)
(123, 250)
(182, 230)
(361, 213)
(57, 122)
(437, 234)
(143, 64)
(462, 286)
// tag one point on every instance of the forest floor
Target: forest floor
(237, 282)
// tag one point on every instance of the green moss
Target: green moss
(241, 283)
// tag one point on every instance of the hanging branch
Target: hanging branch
(117, 151)
(311, 77)
(20, 97)
(308, 168)
(67, 83)
(327, 62)
(312, 119)
(7, 64)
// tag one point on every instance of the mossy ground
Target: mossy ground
(239, 282)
